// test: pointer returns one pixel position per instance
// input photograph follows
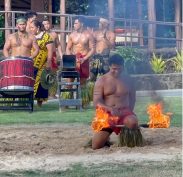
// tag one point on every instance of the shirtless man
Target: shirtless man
(30, 16)
(116, 95)
(56, 42)
(21, 43)
(105, 41)
(81, 43)
(55, 60)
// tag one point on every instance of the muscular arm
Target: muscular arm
(110, 39)
(50, 54)
(35, 47)
(7, 47)
(98, 95)
(58, 46)
(69, 46)
(91, 47)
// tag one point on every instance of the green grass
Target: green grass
(171, 104)
(142, 169)
(49, 113)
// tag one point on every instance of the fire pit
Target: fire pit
(157, 119)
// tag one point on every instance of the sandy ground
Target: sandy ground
(56, 147)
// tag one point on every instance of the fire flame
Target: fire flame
(103, 119)
(156, 117)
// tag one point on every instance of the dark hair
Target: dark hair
(81, 19)
(116, 59)
(21, 18)
(46, 18)
(30, 14)
(38, 24)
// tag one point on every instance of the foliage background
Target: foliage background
(1, 31)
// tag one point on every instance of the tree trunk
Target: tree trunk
(62, 24)
(178, 31)
(7, 5)
(152, 26)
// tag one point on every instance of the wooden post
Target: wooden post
(152, 26)
(178, 31)
(62, 25)
(50, 9)
(111, 14)
(7, 7)
(141, 40)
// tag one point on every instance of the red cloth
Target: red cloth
(83, 68)
(54, 65)
(125, 112)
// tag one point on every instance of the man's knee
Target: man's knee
(99, 139)
(97, 144)
(131, 121)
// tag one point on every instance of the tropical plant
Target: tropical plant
(178, 61)
(131, 56)
(158, 64)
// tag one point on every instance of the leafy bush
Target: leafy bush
(2, 35)
(178, 61)
(131, 57)
(158, 64)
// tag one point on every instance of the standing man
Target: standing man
(30, 16)
(21, 43)
(55, 60)
(56, 43)
(105, 41)
(114, 103)
(81, 43)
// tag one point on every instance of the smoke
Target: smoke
(155, 97)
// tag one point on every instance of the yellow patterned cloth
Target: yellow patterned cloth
(40, 61)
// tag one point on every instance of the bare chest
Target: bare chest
(80, 38)
(21, 42)
(116, 88)
(101, 35)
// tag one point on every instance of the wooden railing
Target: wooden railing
(134, 33)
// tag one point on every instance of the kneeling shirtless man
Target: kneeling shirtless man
(114, 96)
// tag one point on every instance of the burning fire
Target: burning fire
(156, 117)
(103, 119)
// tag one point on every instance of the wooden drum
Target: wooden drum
(17, 73)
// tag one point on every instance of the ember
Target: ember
(157, 119)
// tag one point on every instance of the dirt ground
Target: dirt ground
(56, 147)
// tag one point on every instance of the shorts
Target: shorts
(83, 68)
(54, 65)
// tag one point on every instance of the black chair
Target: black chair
(68, 70)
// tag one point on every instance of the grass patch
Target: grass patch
(142, 169)
(171, 104)
(49, 113)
